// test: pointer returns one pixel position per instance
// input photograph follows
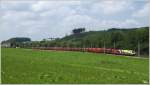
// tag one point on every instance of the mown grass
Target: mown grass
(29, 66)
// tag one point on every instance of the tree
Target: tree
(78, 30)
(18, 41)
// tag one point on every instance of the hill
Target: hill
(112, 38)
(118, 38)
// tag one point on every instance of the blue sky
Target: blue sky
(43, 19)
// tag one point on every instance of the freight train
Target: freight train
(94, 50)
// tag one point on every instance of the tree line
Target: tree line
(111, 38)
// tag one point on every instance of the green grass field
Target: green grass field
(29, 66)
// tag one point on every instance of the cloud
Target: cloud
(23, 5)
(44, 19)
(50, 5)
(143, 12)
(105, 24)
(110, 7)
(130, 23)
(76, 20)
(61, 12)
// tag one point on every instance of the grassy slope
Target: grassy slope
(32, 66)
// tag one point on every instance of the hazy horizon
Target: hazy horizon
(44, 19)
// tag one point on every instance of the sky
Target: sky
(50, 18)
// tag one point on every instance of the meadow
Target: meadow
(28, 66)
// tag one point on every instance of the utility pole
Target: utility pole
(138, 48)
(104, 47)
(104, 41)
(97, 45)
(114, 45)
(91, 45)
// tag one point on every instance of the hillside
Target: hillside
(118, 38)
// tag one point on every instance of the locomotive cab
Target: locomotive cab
(128, 52)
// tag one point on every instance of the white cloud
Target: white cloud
(74, 21)
(105, 24)
(15, 15)
(143, 12)
(110, 7)
(130, 23)
(43, 19)
(22, 5)
(60, 12)
(49, 5)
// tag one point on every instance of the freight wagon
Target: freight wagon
(94, 50)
